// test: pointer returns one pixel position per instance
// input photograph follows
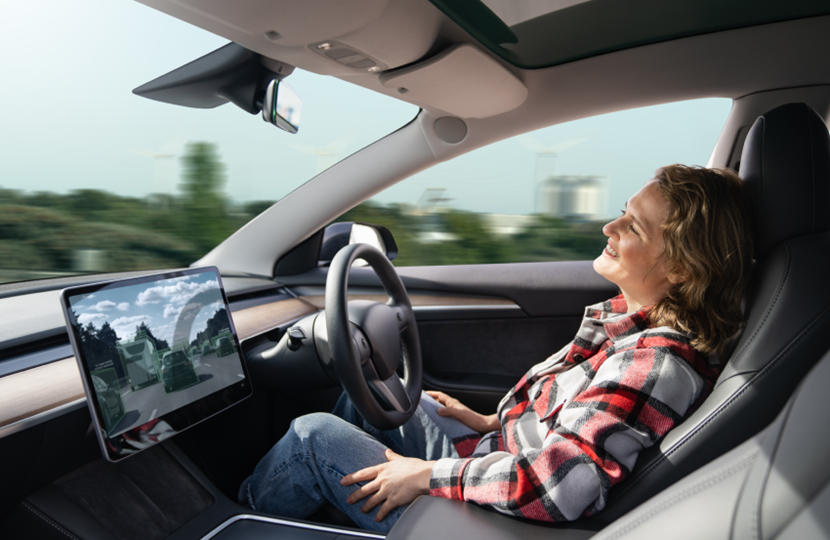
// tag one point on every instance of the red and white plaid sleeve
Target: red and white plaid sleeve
(569, 437)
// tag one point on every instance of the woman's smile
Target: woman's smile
(609, 251)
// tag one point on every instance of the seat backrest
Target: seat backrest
(786, 164)
(774, 486)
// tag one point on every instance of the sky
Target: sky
(70, 121)
(158, 304)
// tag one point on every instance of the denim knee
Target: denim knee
(317, 427)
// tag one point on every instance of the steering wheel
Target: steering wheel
(367, 341)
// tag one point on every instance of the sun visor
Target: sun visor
(463, 81)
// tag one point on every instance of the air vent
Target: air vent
(347, 56)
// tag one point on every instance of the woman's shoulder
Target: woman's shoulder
(676, 347)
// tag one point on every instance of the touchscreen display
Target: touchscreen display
(158, 354)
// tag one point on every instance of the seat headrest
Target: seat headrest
(786, 163)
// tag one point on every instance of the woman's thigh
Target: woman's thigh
(303, 471)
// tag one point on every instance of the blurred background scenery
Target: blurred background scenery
(119, 182)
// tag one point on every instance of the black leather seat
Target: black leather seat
(776, 485)
(786, 163)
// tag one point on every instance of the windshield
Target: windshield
(96, 179)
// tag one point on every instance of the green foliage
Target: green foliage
(142, 328)
(100, 346)
(464, 238)
(42, 233)
(46, 239)
(205, 208)
(215, 325)
(255, 208)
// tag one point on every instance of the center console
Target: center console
(158, 494)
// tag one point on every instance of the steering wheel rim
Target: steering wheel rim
(362, 347)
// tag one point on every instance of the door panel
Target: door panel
(478, 361)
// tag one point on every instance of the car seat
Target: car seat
(775, 485)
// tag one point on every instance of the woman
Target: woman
(573, 426)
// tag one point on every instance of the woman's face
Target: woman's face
(635, 240)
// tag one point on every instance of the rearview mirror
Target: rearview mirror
(282, 106)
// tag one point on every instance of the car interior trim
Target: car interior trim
(469, 306)
(746, 109)
(37, 390)
(432, 302)
(482, 87)
(253, 321)
(39, 418)
(277, 521)
(33, 359)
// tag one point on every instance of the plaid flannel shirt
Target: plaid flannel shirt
(574, 425)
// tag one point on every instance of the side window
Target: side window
(541, 196)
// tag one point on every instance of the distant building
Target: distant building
(572, 197)
(507, 225)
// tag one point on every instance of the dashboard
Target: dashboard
(38, 384)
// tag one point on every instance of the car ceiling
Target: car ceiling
(397, 34)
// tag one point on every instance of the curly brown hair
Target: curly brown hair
(707, 240)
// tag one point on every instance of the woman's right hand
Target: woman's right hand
(473, 420)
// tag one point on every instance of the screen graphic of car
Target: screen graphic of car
(224, 346)
(139, 358)
(177, 371)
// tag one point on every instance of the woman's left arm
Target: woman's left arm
(397, 482)
(634, 398)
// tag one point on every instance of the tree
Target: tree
(107, 335)
(213, 326)
(204, 203)
(159, 343)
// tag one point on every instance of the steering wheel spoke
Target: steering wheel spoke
(391, 390)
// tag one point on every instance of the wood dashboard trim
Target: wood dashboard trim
(252, 321)
(39, 389)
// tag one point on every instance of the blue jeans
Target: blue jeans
(303, 470)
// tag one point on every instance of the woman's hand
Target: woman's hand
(473, 420)
(394, 483)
